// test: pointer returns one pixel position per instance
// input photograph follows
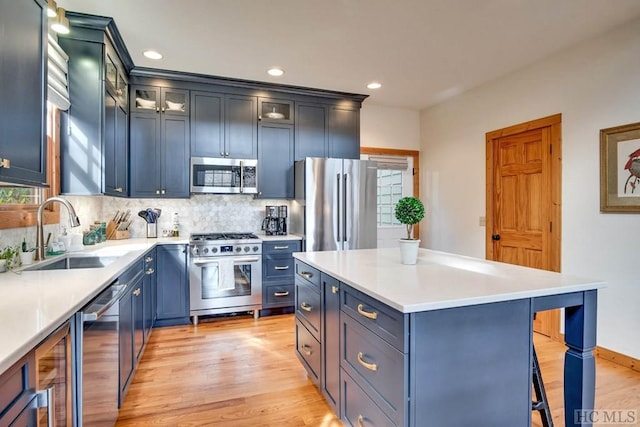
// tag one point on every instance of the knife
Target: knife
(126, 216)
(115, 217)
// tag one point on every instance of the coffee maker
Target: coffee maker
(270, 222)
(282, 220)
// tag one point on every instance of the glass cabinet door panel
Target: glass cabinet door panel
(122, 89)
(275, 110)
(175, 101)
(110, 72)
(147, 99)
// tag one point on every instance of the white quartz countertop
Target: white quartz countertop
(34, 303)
(266, 238)
(440, 280)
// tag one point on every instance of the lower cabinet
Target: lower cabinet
(330, 382)
(172, 286)
(17, 393)
(149, 292)
(130, 332)
(277, 273)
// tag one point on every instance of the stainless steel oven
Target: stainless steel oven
(225, 274)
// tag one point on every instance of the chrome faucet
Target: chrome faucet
(73, 222)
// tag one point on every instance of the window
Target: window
(389, 192)
(19, 205)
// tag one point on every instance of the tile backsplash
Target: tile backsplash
(200, 213)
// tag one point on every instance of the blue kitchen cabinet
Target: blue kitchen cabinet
(172, 285)
(207, 124)
(327, 130)
(277, 273)
(330, 381)
(275, 161)
(159, 142)
(23, 49)
(94, 140)
(149, 292)
(240, 127)
(17, 393)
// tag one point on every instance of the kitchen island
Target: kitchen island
(445, 342)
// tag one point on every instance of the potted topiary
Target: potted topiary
(409, 211)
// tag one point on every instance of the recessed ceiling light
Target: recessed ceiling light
(374, 85)
(152, 54)
(275, 71)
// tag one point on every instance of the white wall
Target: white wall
(594, 85)
(389, 127)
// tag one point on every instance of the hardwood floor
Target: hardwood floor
(242, 372)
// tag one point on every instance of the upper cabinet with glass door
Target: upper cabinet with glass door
(115, 76)
(160, 100)
(275, 110)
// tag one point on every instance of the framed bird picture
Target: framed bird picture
(620, 168)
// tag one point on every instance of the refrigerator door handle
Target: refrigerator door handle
(338, 221)
(345, 204)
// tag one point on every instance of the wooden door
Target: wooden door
(523, 201)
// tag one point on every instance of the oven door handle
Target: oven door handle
(201, 262)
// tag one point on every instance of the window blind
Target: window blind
(390, 162)
(57, 73)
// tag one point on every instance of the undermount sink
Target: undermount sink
(74, 262)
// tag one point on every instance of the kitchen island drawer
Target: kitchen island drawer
(384, 321)
(279, 295)
(281, 247)
(308, 351)
(308, 274)
(17, 386)
(307, 303)
(358, 409)
(278, 267)
(377, 366)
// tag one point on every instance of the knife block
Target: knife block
(114, 234)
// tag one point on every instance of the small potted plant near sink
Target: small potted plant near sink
(409, 211)
(8, 257)
(26, 254)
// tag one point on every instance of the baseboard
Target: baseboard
(618, 358)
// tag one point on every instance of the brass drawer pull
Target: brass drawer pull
(306, 275)
(306, 349)
(286, 267)
(335, 289)
(360, 421)
(137, 292)
(148, 259)
(150, 271)
(369, 366)
(281, 247)
(281, 294)
(305, 306)
(368, 314)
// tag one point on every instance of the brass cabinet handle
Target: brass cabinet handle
(306, 349)
(335, 289)
(281, 247)
(137, 292)
(150, 271)
(281, 294)
(369, 366)
(118, 190)
(306, 275)
(5, 163)
(157, 109)
(163, 191)
(286, 267)
(305, 306)
(360, 421)
(148, 259)
(157, 191)
(368, 314)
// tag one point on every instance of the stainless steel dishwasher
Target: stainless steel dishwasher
(97, 353)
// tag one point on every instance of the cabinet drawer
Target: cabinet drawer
(383, 320)
(307, 273)
(279, 295)
(308, 307)
(308, 350)
(281, 247)
(358, 409)
(375, 363)
(15, 384)
(278, 267)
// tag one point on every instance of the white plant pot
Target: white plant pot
(3, 265)
(409, 251)
(26, 258)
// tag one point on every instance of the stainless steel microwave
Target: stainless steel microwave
(225, 176)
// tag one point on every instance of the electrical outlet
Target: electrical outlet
(483, 221)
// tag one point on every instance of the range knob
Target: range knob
(238, 249)
(247, 248)
(214, 250)
(206, 250)
(195, 251)
(255, 249)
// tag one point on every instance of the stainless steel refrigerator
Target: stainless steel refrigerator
(335, 204)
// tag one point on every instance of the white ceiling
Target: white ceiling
(422, 51)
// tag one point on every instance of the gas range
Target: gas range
(224, 244)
